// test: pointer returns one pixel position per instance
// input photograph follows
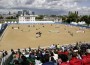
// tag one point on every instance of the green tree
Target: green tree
(53, 16)
(72, 17)
(11, 17)
(88, 22)
(1, 17)
(86, 18)
(40, 17)
(64, 18)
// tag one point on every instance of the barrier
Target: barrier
(3, 33)
(35, 22)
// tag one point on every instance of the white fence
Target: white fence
(36, 22)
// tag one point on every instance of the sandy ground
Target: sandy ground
(25, 36)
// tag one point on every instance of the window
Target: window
(27, 17)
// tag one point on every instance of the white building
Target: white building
(31, 19)
(27, 18)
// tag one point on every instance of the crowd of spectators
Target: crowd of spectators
(77, 54)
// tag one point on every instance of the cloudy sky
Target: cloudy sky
(47, 6)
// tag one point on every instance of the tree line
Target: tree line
(74, 17)
(71, 17)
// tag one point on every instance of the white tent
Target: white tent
(81, 23)
(0, 26)
(9, 22)
(74, 23)
(5, 22)
(15, 22)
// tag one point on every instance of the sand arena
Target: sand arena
(24, 35)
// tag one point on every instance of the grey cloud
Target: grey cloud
(29, 1)
(46, 5)
(2, 7)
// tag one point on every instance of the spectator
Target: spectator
(86, 58)
(6, 53)
(74, 60)
(64, 59)
(58, 46)
(24, 61)
(12, 51)
(37, 61)
(47, 62)
(16, 62)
